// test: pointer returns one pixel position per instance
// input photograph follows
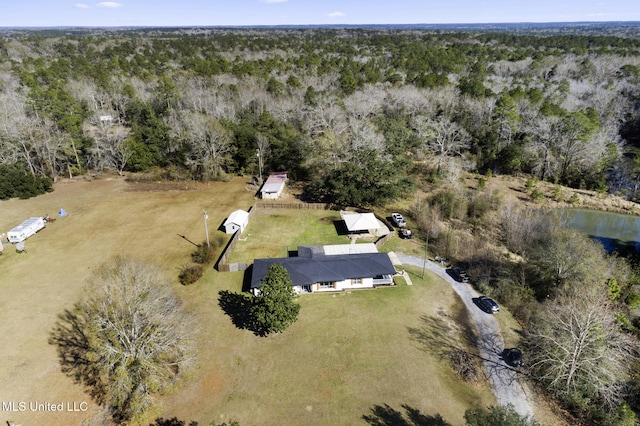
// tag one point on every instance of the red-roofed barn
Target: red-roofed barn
(274, 186)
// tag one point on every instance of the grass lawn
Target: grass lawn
(272, 232)
(346, 355)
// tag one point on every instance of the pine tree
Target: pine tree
(273, 308)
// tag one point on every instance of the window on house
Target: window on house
(356, 281)
(325, 285)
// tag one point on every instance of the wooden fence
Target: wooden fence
(294, 206)
(380, 241)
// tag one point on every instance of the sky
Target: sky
(53, 13)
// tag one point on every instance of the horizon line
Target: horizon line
(333, 25)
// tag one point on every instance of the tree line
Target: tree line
(324, 105)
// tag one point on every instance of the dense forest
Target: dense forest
(361, 116)
(324, 105)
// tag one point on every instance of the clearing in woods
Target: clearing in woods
(350, 358)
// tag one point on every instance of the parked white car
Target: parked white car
(398, 220)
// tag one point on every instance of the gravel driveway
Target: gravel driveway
(503, 378)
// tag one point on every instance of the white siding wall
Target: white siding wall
(339, 286)
(344, 285)
(272, 195)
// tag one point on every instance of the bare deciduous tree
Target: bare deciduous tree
(12, 120)
(327, 127)
(327, 116)
(410, 101)
(210, 143)
(363, 135)
(109, 151)
(565, 255)
(577, 350)
(520, 226)
(540, 151)
(127, 339)
(365, 103)
(443, 138)
(207, 97)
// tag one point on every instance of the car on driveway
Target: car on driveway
(488, 305)
(513, 357)
(459, 274)
(398, 219)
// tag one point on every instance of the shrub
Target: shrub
(478, 207)
(464, 364)
(574, 199)
(633, 300)
(624, 322)
(204, 254)
(482, 183)
(529, 184)
(624, 416)
(450, 204)
(190, 274)
(537, 196)
(497, 415)
(557, 193)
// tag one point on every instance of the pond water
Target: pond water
(616, 232)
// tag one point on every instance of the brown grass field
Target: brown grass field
(346, 355)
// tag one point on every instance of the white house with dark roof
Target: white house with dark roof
(319, 269)
(273, 186)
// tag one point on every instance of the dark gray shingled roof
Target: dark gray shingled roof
(306, 270)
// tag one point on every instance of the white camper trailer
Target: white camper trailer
(26, 229)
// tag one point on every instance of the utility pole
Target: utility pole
(206, 229)
(259, 163)
(424, 262)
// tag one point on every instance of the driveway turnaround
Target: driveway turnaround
(502, 377)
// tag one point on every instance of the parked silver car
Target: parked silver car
(398, 219)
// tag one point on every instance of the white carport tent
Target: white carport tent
(360, 222)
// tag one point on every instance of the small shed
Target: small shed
(237, 221)
(273, 186)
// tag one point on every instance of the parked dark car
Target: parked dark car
(488, 304)
(459, 274)
(406, 233)
(513, 357)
